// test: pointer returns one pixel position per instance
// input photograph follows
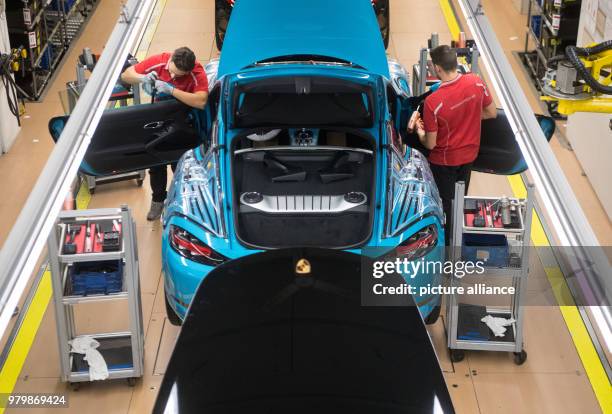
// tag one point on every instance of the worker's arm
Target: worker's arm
(428, 139)
(427, 127)
(196, 99)
(489, 111)
(131, 76)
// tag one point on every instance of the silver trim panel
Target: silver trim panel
(299, 148)
(303, 204)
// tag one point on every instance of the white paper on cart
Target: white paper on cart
(98, 370)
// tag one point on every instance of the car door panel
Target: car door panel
(137, 137)
(499, 152)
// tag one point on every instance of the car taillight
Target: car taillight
(419, 244)
(190, 247)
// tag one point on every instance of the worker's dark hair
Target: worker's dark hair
(445, 57)
(184, 59)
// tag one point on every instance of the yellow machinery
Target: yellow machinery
(581, 81)
(9, 63)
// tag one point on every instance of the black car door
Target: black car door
(140, 136)
(499, 151)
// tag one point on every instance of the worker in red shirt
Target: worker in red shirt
(181, 76)
(450, 127)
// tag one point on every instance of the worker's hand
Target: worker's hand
(413, 120)
(420, 128)
(149, 78)
(163, 87)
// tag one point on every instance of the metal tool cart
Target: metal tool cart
(468, 63)
(120, 96)
(93, 257)
(502, 242)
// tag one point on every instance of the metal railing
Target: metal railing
(28, 236)
(569, 223)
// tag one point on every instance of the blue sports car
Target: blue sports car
(300, 145)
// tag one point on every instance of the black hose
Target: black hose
(555, 59)
(573, 53)
(11, 93)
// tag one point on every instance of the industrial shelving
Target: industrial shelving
(518, 245)
(551, 26)
(45, 28)
(122, 351)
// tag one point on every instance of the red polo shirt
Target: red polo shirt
(195, 81)
(455, 112)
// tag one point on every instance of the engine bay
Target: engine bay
(302, 186)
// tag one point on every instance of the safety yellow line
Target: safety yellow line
(573, 320)
(451, 19)
(24, 339)
(35, 312)
(83, 197)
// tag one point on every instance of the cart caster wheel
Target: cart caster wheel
(139, 182)
(74, 386)
(132, 381)
(92, 191)
(520, 357)
(457, 355)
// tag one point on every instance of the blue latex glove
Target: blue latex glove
(148, 82)
(163, 87)
(150, 77)
(148, 88)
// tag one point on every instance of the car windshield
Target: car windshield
(302, 101)
(312, 59)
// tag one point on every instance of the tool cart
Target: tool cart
(93, 258)
(467, 60)
(122, 95)
(494, 231)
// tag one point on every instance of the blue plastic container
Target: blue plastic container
(492, 249)
(96, 278)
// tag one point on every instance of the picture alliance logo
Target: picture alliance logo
(414, 268)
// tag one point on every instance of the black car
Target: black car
(285, 332)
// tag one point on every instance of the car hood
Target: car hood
(267, 29)
(284, 331)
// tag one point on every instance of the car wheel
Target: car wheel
(172, 316)
(222, 14)
(433, 316)
(382, 15)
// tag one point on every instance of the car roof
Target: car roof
(266, 29)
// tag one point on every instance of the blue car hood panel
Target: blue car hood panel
(265, 29)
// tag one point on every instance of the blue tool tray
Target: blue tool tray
(95, 278)
(492, 249)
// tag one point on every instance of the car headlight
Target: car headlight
(419, 244)
(192, 248)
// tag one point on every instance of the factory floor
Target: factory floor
(553, 379)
